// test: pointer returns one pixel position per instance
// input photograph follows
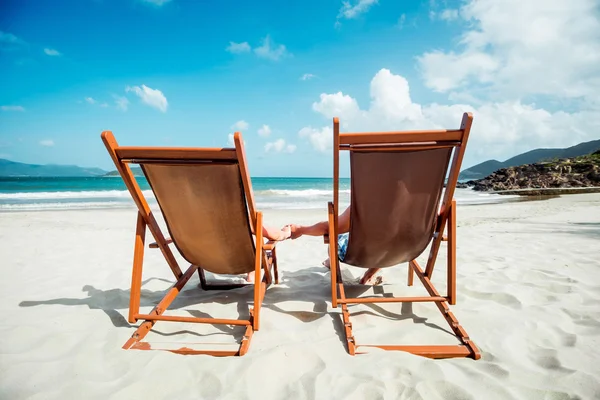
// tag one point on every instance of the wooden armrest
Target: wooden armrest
(270, 245)
(444, 238)
(155, 245)
(326, 239)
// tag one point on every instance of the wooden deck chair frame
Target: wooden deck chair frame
(265, 258)
(407, 141)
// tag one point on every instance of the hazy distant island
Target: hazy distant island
(16, 169)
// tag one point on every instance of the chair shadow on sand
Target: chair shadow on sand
(112, 300)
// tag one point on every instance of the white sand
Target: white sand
(528, 295)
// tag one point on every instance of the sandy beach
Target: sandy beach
(528, 295)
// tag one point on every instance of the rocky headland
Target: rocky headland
(558, 176)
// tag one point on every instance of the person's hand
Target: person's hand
(296, 232)
(286, 232)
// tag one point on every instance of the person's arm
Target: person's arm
(276, 234)
(322, 228)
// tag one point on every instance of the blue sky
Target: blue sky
(188, 73)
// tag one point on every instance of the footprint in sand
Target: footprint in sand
(547, 359)
(505, 299)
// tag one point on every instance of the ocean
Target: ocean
(31, 193)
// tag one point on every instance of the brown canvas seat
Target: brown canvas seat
(205, 196)
(397, 181)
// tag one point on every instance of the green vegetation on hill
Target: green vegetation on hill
(14, 169)
(561, 173)
(534, 156)
(137, 171)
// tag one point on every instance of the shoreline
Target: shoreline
(547, 191)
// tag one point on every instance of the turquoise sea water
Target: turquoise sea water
(29, 193)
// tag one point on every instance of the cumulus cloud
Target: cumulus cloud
(320, 139)
(500, 129)
(449, 14)
(12, 108)
(90, 100)
(270, 50)
(264, 131)
(240, 125)
(152, 97)
(47, 143)
(549, 49)
(52, 52)
(279, 146)
(307, 77)
(237, 48)
(351, 10)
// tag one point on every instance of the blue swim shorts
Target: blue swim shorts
(342, 245)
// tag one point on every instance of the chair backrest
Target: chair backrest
(394, 202)
(205, 210)
(205, 196)
(397, 180)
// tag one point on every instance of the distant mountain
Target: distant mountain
(534, 156)
(12, 169)
(137, 171)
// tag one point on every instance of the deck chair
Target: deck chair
(397, 179)
(206, 198)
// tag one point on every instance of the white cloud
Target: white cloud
(307, 77)
(279, 146)
(12, 108)
(240, 125)
(320, 139)
(52, 52)
(152, 97)
(518, 49)
(158, 3)
(449, 14)
(337, 104)
(264, 131)
(500, 129)
(237, 48)
(270, 50)
(350, 10)
(90, 100)
(121, 102)
(47, 143)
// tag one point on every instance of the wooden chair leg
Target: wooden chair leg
(257, 270)
(452, 254)
(274, 262)
(333, 257)
(136, 275)
(411, 275)
(265, 265)
(202, 277)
